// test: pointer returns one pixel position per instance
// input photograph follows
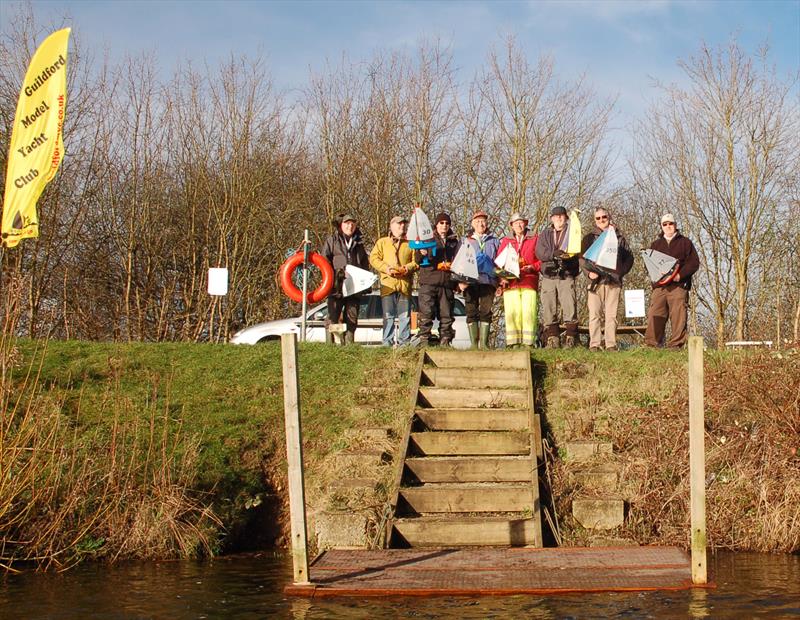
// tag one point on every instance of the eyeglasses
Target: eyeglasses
(600, 217)
(665, 224)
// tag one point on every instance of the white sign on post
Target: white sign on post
(634, 303)
(218, 281)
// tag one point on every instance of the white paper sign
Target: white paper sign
(634, 303)
(218, 281)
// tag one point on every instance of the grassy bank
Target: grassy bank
(205, 420)
(180, 449)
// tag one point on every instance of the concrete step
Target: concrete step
(444, 358)
(341, 530)
(577, 451)
(357, 463)
(598, 514)
(475, 377)
(443, 443)
(376, 433)
(502, 398)
(457, 531)
(454, 498)
(467, 419)
(471, 469)
(600, 478)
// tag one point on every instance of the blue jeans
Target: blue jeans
(396, 306)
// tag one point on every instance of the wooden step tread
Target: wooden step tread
(471, 469)
(500, 398)
(474, 419)
(442, 443)
(477, 359)
(436, 531)
(475, 377)
(472, 497)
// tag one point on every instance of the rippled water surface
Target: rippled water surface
(748, 585)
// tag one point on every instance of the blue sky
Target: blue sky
(621, 45)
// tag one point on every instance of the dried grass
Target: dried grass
(752, 464)
(67, 492)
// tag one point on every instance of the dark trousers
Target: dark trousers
(347, 306)
(478, 299)
(432, 298)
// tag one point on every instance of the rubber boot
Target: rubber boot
(473, 335)
(484, 335)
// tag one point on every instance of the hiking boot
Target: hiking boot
(473, 335)
(570, 341)
(595, 349)
(484, 335)
(445, 342)
(553, 343)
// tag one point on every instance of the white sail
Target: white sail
(603, 252)
(465, 264)
(508, 261)
(660, 267)
(357, 280)
(419, 228)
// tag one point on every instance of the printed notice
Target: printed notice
(634, 303)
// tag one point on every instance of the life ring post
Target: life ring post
(306, 244)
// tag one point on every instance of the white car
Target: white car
(369, 331)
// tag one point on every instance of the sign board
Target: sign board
(218, 281)
(634, 303)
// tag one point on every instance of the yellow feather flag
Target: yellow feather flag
(37, 147)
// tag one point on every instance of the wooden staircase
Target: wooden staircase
(468, 475)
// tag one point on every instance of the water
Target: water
(748, 586)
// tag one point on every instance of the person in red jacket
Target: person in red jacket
(671, 301)
(520, 300)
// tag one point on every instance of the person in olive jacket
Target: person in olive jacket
(344, 247)
(605, 285)
(436, 287)
(394, 261)
(671, 300)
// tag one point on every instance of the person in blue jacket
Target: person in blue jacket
(479, 296)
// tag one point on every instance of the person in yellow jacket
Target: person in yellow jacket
(394, 261)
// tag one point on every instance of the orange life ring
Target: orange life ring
(286, 272)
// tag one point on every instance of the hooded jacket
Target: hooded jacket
(683, 250)
(553, 264)
(446, 250)
(340, 254)
(529, 271)
(624, 257)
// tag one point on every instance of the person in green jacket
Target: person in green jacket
(394, 261)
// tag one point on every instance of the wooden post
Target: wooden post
(294, 457)
(697, 460)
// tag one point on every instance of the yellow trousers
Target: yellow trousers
(522, 312)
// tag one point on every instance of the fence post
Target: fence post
(294, 457)
(697, 460)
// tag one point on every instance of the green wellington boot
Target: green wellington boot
(473, 335)
(484, 335)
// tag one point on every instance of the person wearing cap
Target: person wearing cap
(436, 288)
(604, 285)
(519, 295)
(394, 261)
(671, 300)
(558, 282)
(479, 296)
(344, 247)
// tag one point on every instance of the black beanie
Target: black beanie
(443, 217)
